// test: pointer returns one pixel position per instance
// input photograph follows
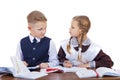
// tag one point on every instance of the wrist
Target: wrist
(92, 64)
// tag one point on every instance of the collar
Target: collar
(31, 39)
(74, 42)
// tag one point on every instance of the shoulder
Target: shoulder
(64, 42)
(47, 38)
(95, 45)
(24, 38)
(92, 44)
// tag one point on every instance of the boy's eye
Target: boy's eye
(40, 29)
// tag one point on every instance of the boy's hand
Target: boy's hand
(67, 64)
(44, 65)
(26, 64)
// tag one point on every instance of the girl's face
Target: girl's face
(38, 29)
(74, 31)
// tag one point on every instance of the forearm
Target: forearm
(104, 63)
(61, 55)
(53, 63)
(103, 60)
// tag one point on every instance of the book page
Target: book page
(22, 71)
(102, 71)
(31, 75)
(85, 73)
(72, 69)
(18, 65)
(6, 69)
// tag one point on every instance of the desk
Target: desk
(60, 76)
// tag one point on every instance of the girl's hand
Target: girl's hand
(44, 65)
(67, 64)
(84, 65)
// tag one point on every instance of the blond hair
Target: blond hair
(36, 16)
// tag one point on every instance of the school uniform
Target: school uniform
(34, 53)
(90, 53)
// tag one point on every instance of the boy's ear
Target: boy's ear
(29, 27)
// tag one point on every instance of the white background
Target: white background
(104, 16)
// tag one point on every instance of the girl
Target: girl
(79, 50)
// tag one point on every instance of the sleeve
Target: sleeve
(61, 56)
(103, 60)
(19, 52)
(53, 59)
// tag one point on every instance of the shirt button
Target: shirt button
(33, 58)
(34, 48)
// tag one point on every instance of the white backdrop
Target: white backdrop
(104, 16)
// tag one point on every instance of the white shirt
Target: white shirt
(52, 52)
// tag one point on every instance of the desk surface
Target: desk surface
(60, 76)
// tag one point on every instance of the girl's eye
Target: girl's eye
(40, 29)
(72, 27)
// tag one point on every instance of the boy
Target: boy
(36, 49)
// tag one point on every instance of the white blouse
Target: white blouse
(86, 56)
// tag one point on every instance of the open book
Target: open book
(21, 71)
(99, 72)
(60, 69)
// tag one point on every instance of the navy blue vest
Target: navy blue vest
(34, 55)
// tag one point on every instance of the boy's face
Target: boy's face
(38, 29)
